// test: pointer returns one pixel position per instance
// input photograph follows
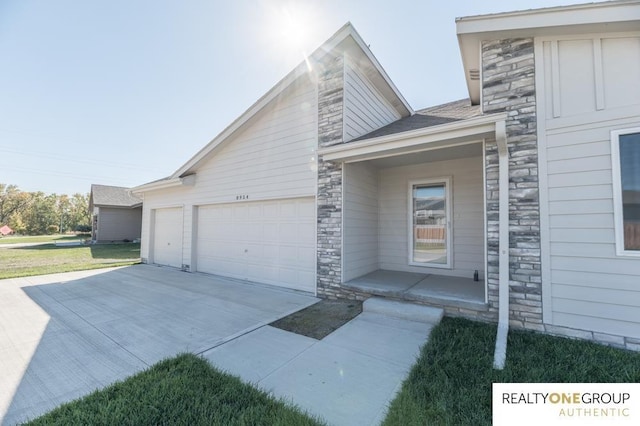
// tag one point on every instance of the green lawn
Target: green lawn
(450, 384)
(184, 390)
(49, 259)
(42, 238)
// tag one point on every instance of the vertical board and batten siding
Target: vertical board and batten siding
(360, 220)
(365, 109)
(272, 158)
(591, 86)
(468, 215)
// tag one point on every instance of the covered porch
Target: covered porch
(414, 212)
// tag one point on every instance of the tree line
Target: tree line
(37, 213)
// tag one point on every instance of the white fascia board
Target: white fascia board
(367, 52)
(441, 136)
(561, 16)
(583, 18)
(153, 186)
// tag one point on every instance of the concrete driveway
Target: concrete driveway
(64, 335)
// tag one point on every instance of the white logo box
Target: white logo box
(551, 404)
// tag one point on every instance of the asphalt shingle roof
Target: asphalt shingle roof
(104, 195)
(428, 117)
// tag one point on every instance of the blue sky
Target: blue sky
(123, 92)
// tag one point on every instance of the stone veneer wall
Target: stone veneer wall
(508, 85)
(329, 201)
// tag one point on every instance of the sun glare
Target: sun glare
(290, 27)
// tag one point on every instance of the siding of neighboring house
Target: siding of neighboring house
(468, 216)
(117, 224)
(360, 220)
(365, 109)
(591, 87)
(273, 158)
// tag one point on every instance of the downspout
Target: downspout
(500, 354)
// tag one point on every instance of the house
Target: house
(518, 205)
(116, 214)
(5, 230)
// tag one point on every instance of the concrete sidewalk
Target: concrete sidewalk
(347, 378)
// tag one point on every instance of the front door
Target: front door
(430, 224)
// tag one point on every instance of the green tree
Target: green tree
(43, 212)
(78, 214)
(12, 202)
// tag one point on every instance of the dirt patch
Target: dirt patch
(321, 319)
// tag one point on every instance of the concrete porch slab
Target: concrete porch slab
(434, 289)
(458, 291)
(390, 282)
(402, 310)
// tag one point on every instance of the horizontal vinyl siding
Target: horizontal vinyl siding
(273, 158)
(360, 220)
(468, 216)
(119, 224)
(591, 287)
(365, 109)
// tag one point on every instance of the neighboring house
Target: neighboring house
(116, 214)
(518, 205)
(5, 230)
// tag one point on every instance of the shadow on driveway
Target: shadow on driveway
(65, 335)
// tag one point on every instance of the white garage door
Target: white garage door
(167, 237)
(271, 242)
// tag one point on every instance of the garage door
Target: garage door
(270, 242)
(167, 237)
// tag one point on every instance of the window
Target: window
(625, 155)
(429, 223)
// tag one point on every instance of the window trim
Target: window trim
(618, 217)
(446, 180)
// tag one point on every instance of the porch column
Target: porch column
(503, 249)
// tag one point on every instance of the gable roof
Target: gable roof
(113, 196)
(346, 38)
(428, 117)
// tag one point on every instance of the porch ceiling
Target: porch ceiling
(456, 134)
(443, 154)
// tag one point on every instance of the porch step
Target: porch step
(403, 310)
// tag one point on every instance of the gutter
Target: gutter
(188, 180)
(500, 354)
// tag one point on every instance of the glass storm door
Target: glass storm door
(430, 242)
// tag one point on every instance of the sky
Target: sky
(122, 92)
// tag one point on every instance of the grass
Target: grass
(48, 259)
(42, 238)
(184, 390)
(451, 382)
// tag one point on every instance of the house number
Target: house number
(242, 197)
